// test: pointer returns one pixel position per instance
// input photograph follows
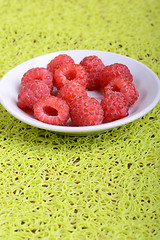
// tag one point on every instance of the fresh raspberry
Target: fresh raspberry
(52, 110)
(126, 87)
(68, 73)
(38, 74)
(86, 111)
(93, 66)
(113, 71)
(31, 92)
(71, 91)
(59, 61)
(114, 106)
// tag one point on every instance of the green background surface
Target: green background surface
(92, 187)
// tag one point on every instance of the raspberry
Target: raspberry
(113, 71)
(114, 106)
(126, 87)
(86, 111)
(31, 93)
(93, 65)
(52, 110)
(70, 72)
(59, 61)
(71, 91)
(38, 74)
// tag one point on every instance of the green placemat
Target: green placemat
(96, 187)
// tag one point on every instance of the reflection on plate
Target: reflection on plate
(145, 80)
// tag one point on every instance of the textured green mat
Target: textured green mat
(95, 187)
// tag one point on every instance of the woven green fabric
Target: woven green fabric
(95, 187)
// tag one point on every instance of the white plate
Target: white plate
(145, 80)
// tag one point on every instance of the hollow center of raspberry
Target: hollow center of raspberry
(116, 88)
(50, 111)
(70, 75)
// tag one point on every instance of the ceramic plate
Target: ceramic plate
(145, 80)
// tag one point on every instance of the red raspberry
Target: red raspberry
(52, 110)
(93, 66)
(38, 74)
(113, 71)
(126, 87)
(70, 72)
(114, 106)
(86, 111)
(31, 93)
(59, 61)
(71, 91)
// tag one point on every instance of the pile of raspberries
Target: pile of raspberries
(58, 94)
